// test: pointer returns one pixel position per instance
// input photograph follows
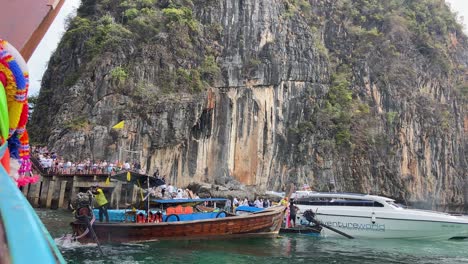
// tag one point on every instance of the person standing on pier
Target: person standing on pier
(101, 201)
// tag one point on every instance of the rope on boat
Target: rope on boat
(177, 217)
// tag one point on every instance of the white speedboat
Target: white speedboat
(370, 216)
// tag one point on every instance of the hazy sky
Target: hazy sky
(40, 58)
(461, 7)
(38, 62)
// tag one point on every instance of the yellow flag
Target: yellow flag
(129, 176)
(108, 181)
(119, 125)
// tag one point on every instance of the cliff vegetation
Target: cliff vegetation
(349, 95)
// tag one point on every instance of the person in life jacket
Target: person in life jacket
(101, 201)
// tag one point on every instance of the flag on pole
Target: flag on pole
(129, 176)
(119, 125)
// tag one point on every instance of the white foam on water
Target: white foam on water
(67, 242)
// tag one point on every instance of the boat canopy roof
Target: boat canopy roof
(182, 201)
(137, 178)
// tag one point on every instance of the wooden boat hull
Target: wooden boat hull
(266, 223)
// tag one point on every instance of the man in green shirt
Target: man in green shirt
(101, 201)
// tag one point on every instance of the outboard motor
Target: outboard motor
(84, 210)
(309, 215)
(84, 214)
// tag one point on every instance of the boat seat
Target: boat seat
(170, 210)
(188, 210)
(179, 209)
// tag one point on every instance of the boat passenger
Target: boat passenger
(101, 201)
(170, 190)
(156, 173)
(126, 165)
(284, 201)
(179, 194)
(185, 194)
(227, 206)
(257, 203)
(292, 213)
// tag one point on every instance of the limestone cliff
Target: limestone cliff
(368, 96)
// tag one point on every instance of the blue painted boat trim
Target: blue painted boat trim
(28, 240)
(173, 201)
(248, 209)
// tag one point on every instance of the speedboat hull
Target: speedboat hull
(370, 216)
(362, 227)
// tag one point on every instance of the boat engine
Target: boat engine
(309, 215)
(83, 208)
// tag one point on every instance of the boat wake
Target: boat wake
(68, 242)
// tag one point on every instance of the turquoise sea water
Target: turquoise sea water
(285, 249)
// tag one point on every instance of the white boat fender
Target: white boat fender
(373, 218)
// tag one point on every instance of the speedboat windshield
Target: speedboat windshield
(393, 204)
(338, 202)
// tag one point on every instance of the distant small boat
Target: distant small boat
(181, 223)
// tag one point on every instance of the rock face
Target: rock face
(356, 96)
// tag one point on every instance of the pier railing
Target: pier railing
(57, 190)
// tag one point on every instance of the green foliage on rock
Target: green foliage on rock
(373, 41)
(391, 117)
(182, 15)
(71, 79)
(98, 35)
(104, 25)
(119, 74)
(131, 13)
(78, 123)
(210, 69)
(293, 7)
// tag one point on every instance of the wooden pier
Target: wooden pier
(57, 191)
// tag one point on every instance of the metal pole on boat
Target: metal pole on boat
(90, 226)
(120, 154)
(333, 229)
(94, 236)
(148, 197)
(310, 216)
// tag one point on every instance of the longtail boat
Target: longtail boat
(167, 219)
(178, 225)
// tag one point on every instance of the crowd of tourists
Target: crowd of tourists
(52, 163)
